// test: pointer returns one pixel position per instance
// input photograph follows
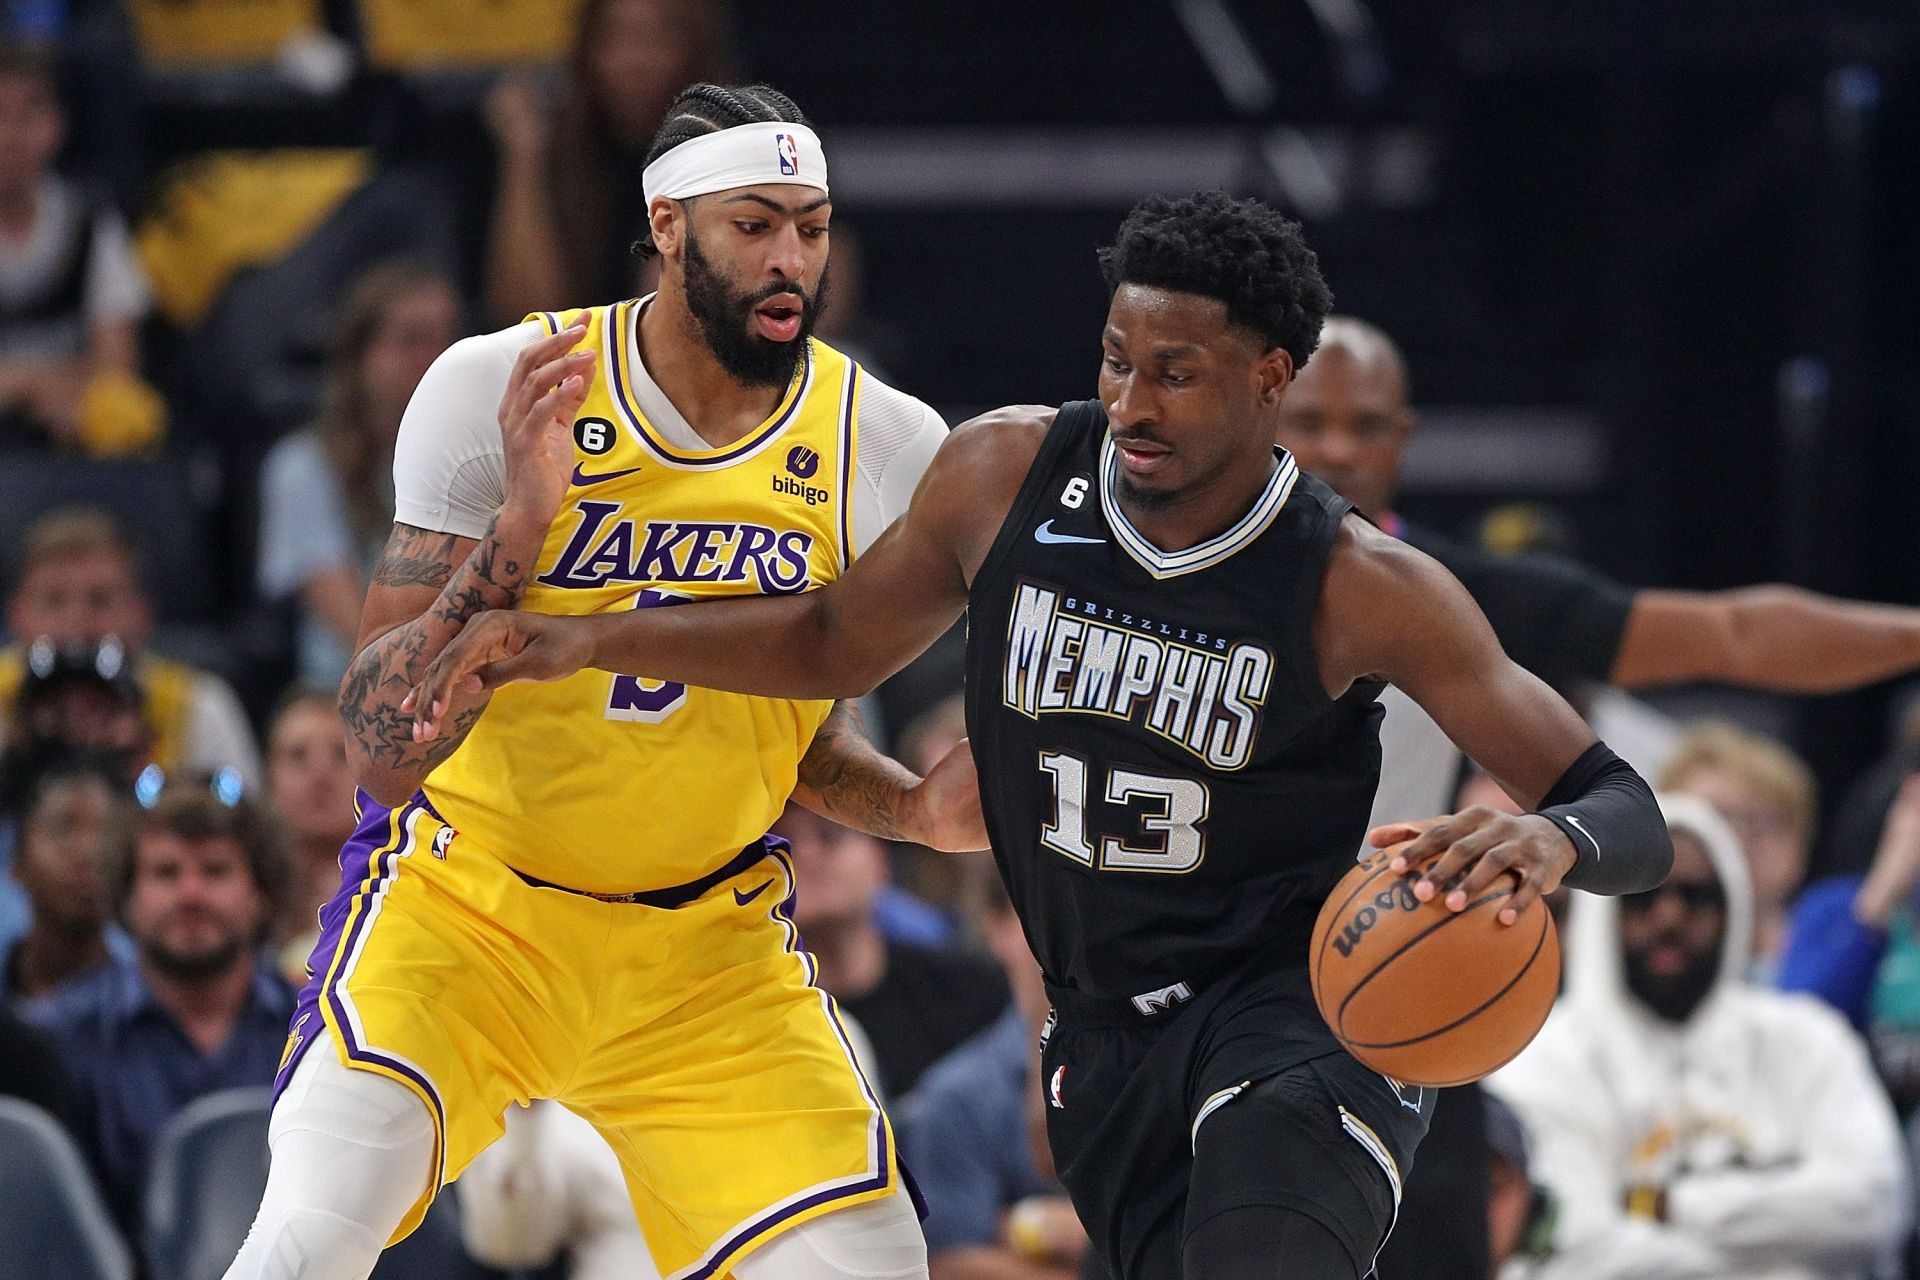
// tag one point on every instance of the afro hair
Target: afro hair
(1245, 253)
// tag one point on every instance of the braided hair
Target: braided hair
(708, 108)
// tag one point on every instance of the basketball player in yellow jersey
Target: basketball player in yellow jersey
(571, 895)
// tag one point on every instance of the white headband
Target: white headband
(746, 155)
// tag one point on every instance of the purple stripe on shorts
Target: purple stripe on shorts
(723, 1255)
(356, 857)
(366, 865)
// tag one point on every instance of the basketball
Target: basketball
(1427, 995)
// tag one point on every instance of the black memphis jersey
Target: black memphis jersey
(1168, 788)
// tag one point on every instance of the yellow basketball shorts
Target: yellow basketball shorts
(693, 1038)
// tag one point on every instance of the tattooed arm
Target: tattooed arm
(428, 584)
(845, 778)
(406, 624)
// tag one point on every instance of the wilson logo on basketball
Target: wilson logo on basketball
(1396, 897)
(1424, 993)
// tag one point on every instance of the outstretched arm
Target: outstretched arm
(1773, 637)
(836, 642)
(1390, 612)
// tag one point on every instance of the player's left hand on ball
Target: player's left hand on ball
(943, 811)
(495, 648)
(1462, 854)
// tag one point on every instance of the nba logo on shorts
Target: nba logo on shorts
(789, 154)
(802, 461)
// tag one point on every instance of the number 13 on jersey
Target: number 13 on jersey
(1173, 809)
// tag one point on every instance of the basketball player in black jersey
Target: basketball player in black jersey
(1175, 640)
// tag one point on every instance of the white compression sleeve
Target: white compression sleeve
(352, 1151)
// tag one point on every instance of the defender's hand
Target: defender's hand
(496, 648)
(1471, 849)
(943, 811)
(548, 386)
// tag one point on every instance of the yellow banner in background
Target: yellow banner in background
(221, 32)
(426, 35)
(224, 211)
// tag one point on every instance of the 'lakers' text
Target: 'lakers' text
(604, 550)
(1198, 690)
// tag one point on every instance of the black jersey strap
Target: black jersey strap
(1071, 423)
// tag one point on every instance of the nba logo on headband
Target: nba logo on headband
(738, 157)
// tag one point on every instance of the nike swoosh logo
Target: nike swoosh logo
(1045, 533)
(581, 479)
(1581, 827)
(742, 899)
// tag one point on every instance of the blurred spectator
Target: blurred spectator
(1766, 794)
(935, 898)
(326, 503)
(311, 789)
(915, 1003)
(1347, 417)
(1850, 832)
(30, 1067)
(991, 1214)
(73, 820)
(1853, 941)
(72, 293)
(1687, 1122)
(78, 699)
(567, 205)
(1518, 1211)
(195, 1011)
(77, 583)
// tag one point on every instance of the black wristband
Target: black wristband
(1619, 837)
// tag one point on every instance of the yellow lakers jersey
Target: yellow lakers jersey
(612, 783)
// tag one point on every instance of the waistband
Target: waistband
(678, 895)
(1282, 959)
(1158, 1006)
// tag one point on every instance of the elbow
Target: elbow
(387, 788)
(857, 682)
(1659, 863)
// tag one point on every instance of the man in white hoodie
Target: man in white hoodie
(1689, 1125)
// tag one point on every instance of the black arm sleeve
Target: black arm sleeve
(1619, 837)
(1558, 619)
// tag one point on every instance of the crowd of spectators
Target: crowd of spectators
(1721, 1092)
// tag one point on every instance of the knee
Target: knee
(1263, 1242)
(307, 1244)
(350, 1148)
(332, 1100)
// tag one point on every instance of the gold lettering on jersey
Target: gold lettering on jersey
(1197, 690)
(604, 550)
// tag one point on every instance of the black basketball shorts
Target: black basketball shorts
(1237, 1098)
